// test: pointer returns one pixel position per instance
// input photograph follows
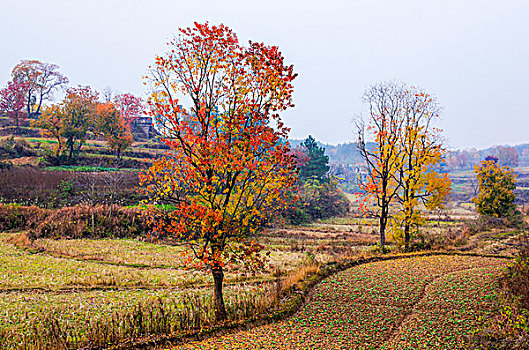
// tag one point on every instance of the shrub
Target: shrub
(11, 147)
(510, 329)
(83, 221)
(17, 217)
(516, 280)
(318, 200)
(496, 195)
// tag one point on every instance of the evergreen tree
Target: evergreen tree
(317, 164)
(319, 196)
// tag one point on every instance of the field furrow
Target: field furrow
(422, 302)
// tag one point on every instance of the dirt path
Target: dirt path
(424, 302)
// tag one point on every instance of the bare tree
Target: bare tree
(108, 94)
(406, 149)
(114, 182)
(384, 125)
(90, 191)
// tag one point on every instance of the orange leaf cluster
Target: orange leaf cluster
(230, 166)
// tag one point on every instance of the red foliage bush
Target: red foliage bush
(83, 221)
(80, 221)
(17, 217)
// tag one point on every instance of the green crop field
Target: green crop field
(413, 303)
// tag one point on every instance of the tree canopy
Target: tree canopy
(316, 165)
(496, 186)
(218, 105)
(12, 101)
(41, 80)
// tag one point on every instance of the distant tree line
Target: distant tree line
(506, 156)
(346, 162)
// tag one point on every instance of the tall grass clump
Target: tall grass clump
(85, 221)
(50, 329)
(80, 221)
(17, 217)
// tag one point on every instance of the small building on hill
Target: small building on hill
(143, 128)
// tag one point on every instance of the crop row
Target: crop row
(424, 302)
(83, 263)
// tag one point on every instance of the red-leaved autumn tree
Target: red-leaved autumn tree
(12, 101)
(229, 165)
(41, 80)
(129, 107)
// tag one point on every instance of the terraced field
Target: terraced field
(423, 302)
(85, 283)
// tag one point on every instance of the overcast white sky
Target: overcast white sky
(473, 55)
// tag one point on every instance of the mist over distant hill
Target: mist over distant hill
(518, 155)
(343, 153)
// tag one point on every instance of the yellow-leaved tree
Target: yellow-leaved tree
(421, 151)
(402, 161)
(496, 185)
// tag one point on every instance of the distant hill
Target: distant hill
(343, 153)
(518, 155)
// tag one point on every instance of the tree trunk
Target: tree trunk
(40, 104)
(407, 226)
(93, 219)
(220, 309)
(407, 236)
(70, 143)
(29, 105)
(17, 121)
(383, 221)
(59, 148)
(384, 209)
